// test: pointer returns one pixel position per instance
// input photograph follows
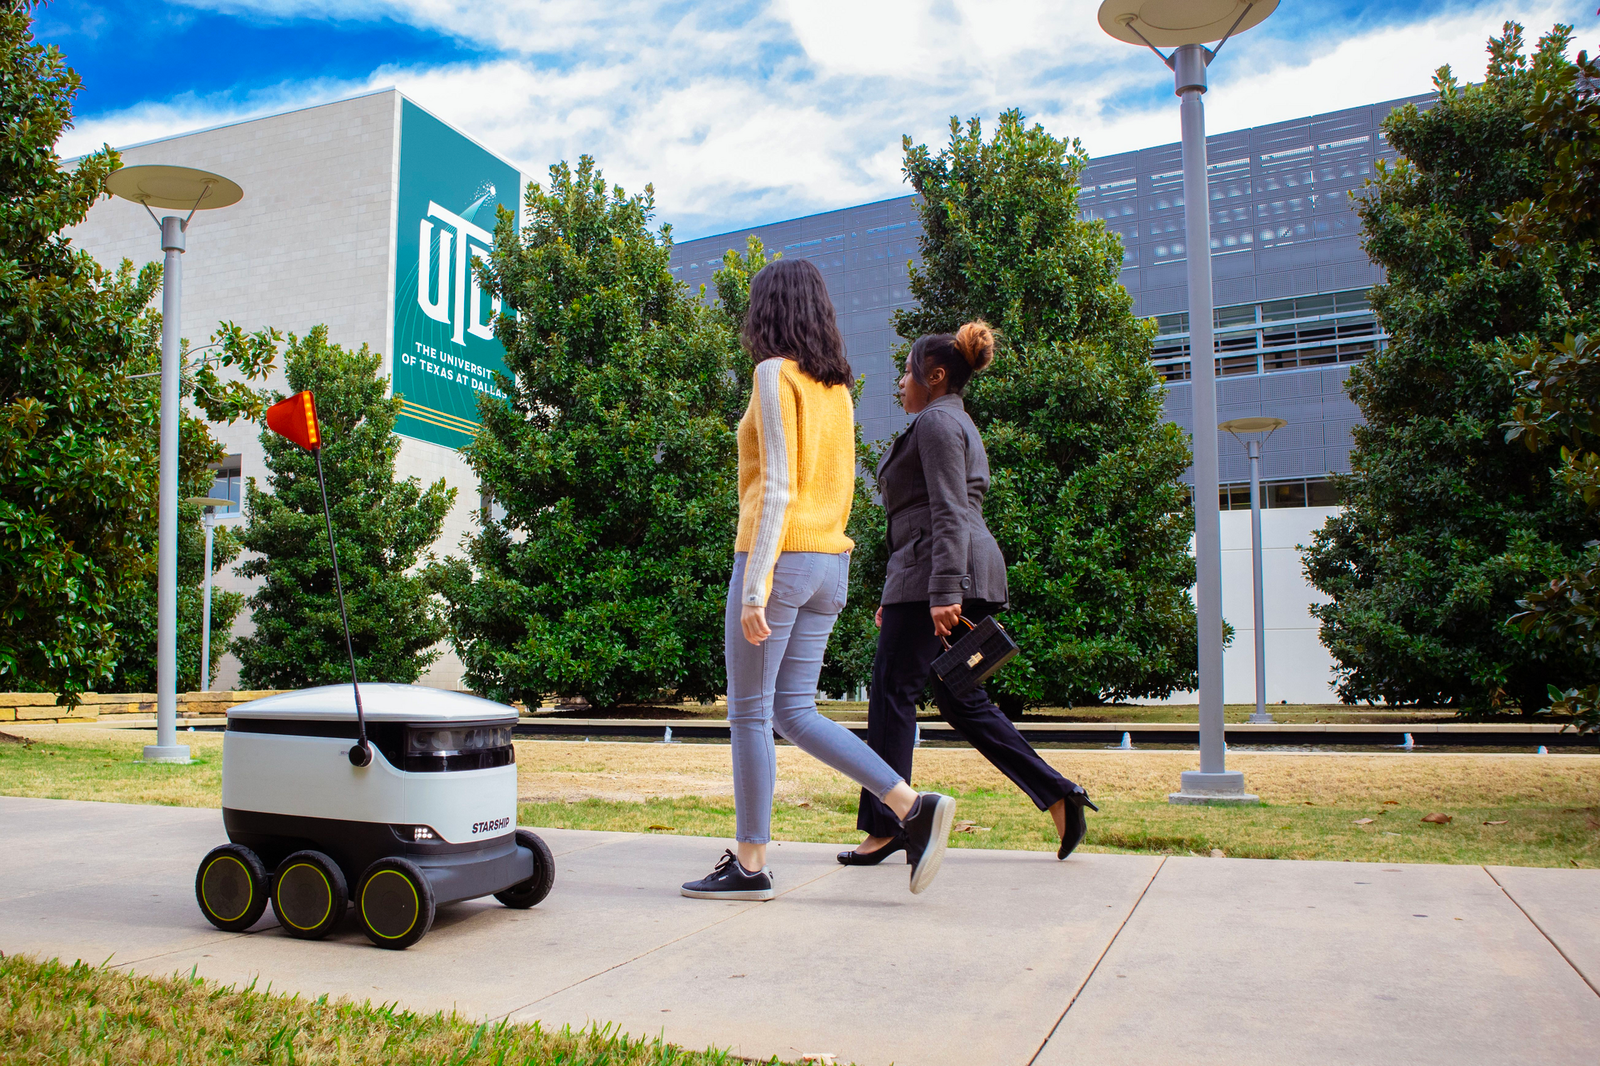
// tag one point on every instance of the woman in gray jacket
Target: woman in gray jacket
(944, 565)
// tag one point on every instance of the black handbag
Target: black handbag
(973, 659)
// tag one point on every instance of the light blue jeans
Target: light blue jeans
(773, 685)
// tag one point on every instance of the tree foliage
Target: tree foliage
(613, 458)
(1446, 527)
(79, 402)
(76, 467)
(1558, 383)
(250, 357)
(1086, 501)
(383, 527)
(136, 660)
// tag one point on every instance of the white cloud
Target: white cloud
(738, 115)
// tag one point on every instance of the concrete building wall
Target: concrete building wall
(311, 243)
(1299, 668)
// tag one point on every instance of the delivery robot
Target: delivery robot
(323, 812)
(428, 819)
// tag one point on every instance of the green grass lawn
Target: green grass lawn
(55, 1013)
(1506, 809)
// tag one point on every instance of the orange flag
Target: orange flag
(296, 418)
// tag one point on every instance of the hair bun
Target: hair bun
(975, 342)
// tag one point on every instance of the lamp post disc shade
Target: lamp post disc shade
(174, 188)
(1175, 22)
(1252, 425)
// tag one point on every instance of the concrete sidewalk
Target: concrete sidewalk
(1010, 958)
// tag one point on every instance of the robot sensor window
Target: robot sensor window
(455, 740)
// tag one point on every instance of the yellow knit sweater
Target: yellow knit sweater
(797, 471)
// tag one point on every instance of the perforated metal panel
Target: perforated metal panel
(1288, 267)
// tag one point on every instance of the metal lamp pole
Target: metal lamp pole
(1186, 27)
(166, 748)
(208, 519)
(1252, 448)
(1190, 67)
(1258, 607)
(180, 188)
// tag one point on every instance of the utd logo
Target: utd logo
(448, 289)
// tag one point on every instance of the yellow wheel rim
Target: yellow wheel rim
(249, 881)
(326, 911)
(366, 890)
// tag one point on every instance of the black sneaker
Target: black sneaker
(730, 881)
(927, 829)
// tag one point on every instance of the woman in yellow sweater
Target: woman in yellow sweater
(791, 573)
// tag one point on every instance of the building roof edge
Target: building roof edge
(311, 107)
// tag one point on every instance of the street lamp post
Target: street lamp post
(1186, 26)
(180, 189)
(209, 520)
(1252, 448)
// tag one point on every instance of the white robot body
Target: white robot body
(311, 777)
(437, 801)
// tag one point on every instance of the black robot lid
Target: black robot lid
(380, 702)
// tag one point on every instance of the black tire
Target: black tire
(309, 895)
(231, 888)
(538, 886)
(395, 903)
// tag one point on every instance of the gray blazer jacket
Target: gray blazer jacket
(933, 482)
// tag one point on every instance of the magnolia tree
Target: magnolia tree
(613, 458)
(80, 407)
(1557, 382)
(1446, 525)
(1086, 502)
(384, 527)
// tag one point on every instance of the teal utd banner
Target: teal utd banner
(445, 351)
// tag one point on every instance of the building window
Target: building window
(227, 484)
(1292, 492)
(1261, 338)
(490, 509)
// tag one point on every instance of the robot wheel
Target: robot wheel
(395, 903)
(231, 888)
(538, 886)
(309, 895)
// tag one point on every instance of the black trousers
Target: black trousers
(907, 646)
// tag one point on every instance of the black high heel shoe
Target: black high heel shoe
(873, 858)
(1077, 824)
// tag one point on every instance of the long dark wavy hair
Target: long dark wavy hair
(791, 317)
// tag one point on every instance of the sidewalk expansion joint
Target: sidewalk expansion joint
(1098, 960)
(1548, 938)
(175, 951)
(740, 912)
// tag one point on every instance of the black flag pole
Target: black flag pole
(296, 419)
(361, 754)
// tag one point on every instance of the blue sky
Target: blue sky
(742, 112)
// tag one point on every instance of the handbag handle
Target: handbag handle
(946, 642)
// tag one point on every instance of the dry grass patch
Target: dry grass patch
(576, 770)
(1312, 803)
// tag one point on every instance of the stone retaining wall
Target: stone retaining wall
(42, 706)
